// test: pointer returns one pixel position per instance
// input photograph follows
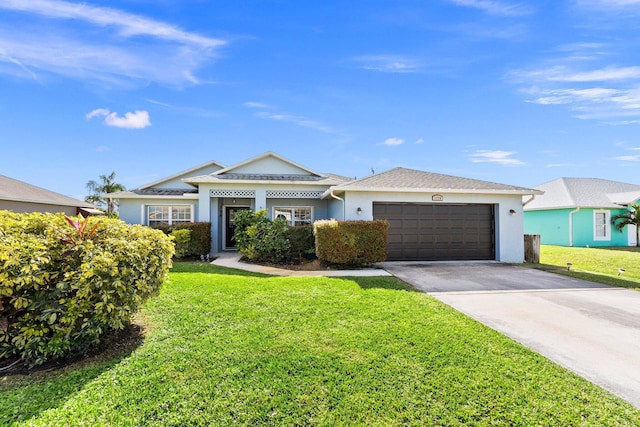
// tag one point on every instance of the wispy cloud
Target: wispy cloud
(254, 104)
(419, 141)
(81, 41)
(497, 156)
(269, 112)
(392, 142)
(389, 63)
(495, 7)
(581, 80)
(296, 120)
(608, 4)
(565, 74)
(186, 110)
(102, 149)
(136, 120)
(630, 157)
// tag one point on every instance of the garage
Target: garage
(438, 232)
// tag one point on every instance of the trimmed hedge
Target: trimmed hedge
(65, 282)
(353, 243)
(200, 238)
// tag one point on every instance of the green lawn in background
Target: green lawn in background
(225, 347)
(595, 264)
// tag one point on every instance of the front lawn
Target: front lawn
(595, 264)
(225, 347)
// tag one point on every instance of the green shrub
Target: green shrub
(260, 239)
(352, 243)
(302, 241)
(200, 242)
(65, 282)
(182, 240)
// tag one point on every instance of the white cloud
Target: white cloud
(497, 156)
(393, 141)
(91, 42)
(419, 141)
(630, 158)
(495, 7)
(296, 120)
(635, 158)
(102, 148)
(253, 104)
(608, 4)
(389, 63)
(128, 24)
(564, 74)
(588, 87)
(136, 120)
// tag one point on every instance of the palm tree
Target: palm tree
(631, 217)
(99, 190)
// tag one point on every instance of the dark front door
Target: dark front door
(230, 212)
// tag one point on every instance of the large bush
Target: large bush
(260, 239)
(302, 242)
(65, 282)
(353, 243)
(199, 242)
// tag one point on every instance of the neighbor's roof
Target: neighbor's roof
(411, 180)
(584, 192)
(19, 191)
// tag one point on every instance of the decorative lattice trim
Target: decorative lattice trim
(273, 194)
(233, 193)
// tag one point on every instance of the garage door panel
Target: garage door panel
(438, 232)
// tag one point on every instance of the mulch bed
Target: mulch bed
(112, 344)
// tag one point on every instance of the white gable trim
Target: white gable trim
(264, 156)
(179, 174)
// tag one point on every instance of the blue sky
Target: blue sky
(518, 92)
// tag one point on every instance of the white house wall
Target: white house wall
(509, 228)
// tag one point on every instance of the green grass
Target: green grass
(232, 348)
(595, 264)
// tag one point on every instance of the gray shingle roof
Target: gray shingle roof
(399, 179)
(584, 192)
(328, 179)
(269, 177)
(163, 191)
(15, 190)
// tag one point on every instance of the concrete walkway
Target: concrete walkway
(589, 328)
(232, 260)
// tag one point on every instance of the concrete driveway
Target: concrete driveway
(589, 328)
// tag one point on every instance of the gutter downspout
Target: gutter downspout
(533, 196)
(342, 200)
(576, 210)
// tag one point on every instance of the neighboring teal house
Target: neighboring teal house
(578, 212)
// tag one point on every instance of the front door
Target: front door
(230, 213)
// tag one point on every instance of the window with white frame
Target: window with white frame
(601, 225)
(300, 215)
(157, 215)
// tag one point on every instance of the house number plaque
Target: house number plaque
(437, 198)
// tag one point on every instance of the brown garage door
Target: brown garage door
(438, 232)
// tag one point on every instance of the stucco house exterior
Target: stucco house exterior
(19, 196)
(578, 212)
(431, 216)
